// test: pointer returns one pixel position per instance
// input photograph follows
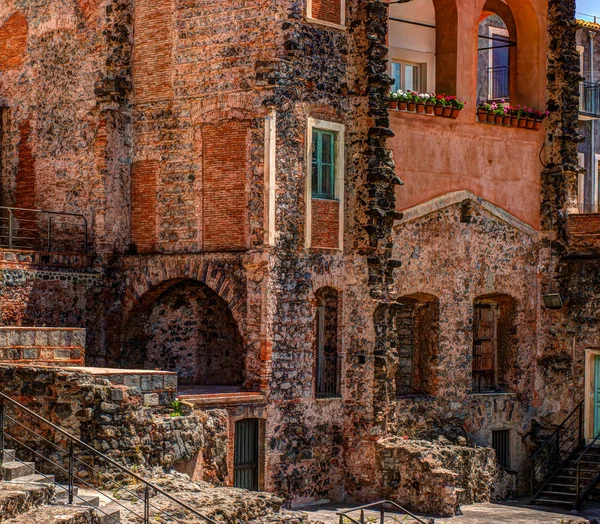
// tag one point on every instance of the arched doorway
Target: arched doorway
(187, 328)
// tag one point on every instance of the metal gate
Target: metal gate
(246, 454)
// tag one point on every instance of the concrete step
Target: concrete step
(15, 470)
(63, 514)
(108, 514)
(16, 499)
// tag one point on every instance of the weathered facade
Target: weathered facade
(232, 178)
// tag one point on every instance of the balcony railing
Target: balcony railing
(328, 377)
(499, 83)
(589, 99)
(39, 230)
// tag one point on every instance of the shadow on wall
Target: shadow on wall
(189, 329)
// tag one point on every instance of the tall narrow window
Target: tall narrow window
(485, 344)
(328, 361)
(501, 443)
(323, 164)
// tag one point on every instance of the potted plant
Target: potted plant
(393, 100)
(447, 111)
(539, 118)
(421, 100)
(491, 117)
(402, 100)
(499, 115)
(482, 111)
(430, 104)
(440, 102)
(506, 115)
(412, 101)
(457, 107)
(515, 114)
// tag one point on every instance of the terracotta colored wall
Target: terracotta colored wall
(327, 10)
(144, 176)
(325, 224)
(435, 156)
(13, 42)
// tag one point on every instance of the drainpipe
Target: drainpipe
(592, 162)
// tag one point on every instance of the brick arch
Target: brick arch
(156, 277)
(224, 107)
(333, 281)
(523, 26)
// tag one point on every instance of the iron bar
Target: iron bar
(10, 229)
(146, 505)
(71, 472)
(1, 431)
(412, 22)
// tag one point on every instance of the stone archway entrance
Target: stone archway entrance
(189, 329)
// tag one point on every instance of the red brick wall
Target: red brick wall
(25, 182)
(144, 176)
(327, 10)
(224, 186)
(152, 60)
(325, 224)
(584, 231)
(13, 42)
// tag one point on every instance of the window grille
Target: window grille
(501, 443)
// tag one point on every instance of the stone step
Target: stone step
(39, 479)
(59, 514)
(87, 500)
(552, 502)
(108, 514)
(16, 499)
(62, 492)
(15, 470)
(9, 456)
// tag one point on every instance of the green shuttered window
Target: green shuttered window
(323, 164)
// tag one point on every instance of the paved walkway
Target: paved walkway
(479, 514)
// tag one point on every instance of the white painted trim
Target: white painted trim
(340, 170)
(456, 197)
(589, 379)
(341, 25)
(270, 181)
(596, 168)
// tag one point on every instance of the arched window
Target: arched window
(496, 65)
(423, 37)
(327, 357)
(417, 330)
(494, 355)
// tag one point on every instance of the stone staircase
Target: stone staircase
(26, 496)
(561, 489)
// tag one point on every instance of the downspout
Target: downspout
(592, 162)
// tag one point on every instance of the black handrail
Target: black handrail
(72, 440)
(591, 486)
(13, 233)
(555, 445)
(379, 505)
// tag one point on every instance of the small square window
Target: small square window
(323, 164)
(408, 76)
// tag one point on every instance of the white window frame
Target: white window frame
(422, 74)
(340, 169)
(269, 180)
(496, 31)
(341, 25)
(595, 176)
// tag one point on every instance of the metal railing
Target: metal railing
(499, 83)
(588, 18)
(589, 99)
(40, 230)
(557, 450)
(74, 457)
(378, 507)
(329, 372)
(589, 486)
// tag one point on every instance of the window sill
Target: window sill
(332, 25)
(328, 399)
(322, 199)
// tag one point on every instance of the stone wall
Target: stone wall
(45, 346)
